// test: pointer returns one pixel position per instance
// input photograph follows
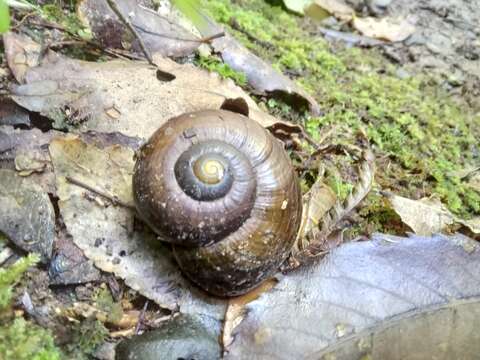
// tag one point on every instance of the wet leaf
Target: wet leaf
(428, 216)
(355, 293)
(81, 95)
(160, 34)
(110, 236)
(27, 217)
(390, 29)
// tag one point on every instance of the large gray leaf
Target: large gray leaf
(367, 299)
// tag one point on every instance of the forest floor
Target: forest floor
(417, 101)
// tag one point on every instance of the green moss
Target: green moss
(67, 18)
(339, 187)
(10, 276)
(212, 63)
(87, 336)
(424, 135)
(105, 302)
(23, 340)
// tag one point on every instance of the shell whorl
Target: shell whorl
(222, 190)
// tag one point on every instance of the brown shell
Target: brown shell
(230, 244)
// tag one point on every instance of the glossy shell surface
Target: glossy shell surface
(233, 225)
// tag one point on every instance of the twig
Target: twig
(113, 199)
(18, 24)
(141, 317)
(128, 24)
(112, 52)
(200, 40)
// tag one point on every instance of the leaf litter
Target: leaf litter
(82, 96)
(110, 235)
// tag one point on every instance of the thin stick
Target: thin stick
(126, 21)
(113, 199)
(141, 317)
(200, 40)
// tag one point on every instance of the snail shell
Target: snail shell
(222, 190)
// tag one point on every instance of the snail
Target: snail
(221, 189)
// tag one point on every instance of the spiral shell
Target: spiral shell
(222, 190)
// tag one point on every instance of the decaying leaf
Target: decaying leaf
(386, 28)
(307, 249)
(27, 216)
(80, 95)
(428, 216)
(110, 236)
(336, 8)
(159, 33)
(261, 75)
(316, 202)
(236, 311)
(359, 291)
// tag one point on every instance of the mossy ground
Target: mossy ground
(421, 138)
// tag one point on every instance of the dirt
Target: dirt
(446, 42)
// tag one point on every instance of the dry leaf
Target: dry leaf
(236, 310)
(297, 6)
(386, 28)
(160, 35)
(316, 202)
(310, 248)
(80, 95)
(428, 216)
(107, 234)
(336, 8)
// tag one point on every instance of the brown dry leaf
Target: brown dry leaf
(316, 203)
(428, 216)
(390, 29)
(236, 310)
(109, 235)
(160, 35)
(80, 95)
(336, 8)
